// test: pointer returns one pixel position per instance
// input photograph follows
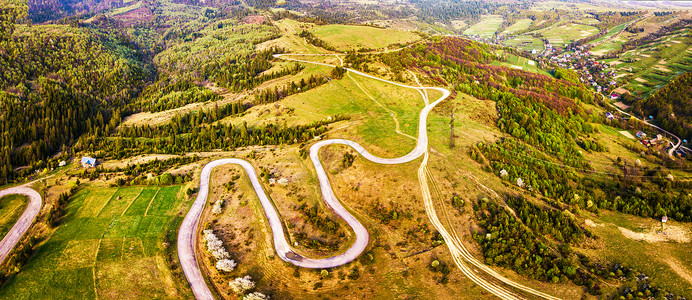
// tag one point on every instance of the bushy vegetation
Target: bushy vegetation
(165, 95)
(174, 139)
(509, 242)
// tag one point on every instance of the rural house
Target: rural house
(88, 162)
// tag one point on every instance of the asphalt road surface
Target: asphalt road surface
(190, 225)
(25, 220)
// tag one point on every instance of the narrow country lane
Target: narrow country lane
(25, 220)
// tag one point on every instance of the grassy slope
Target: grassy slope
(11, 207)
(372, 124)
(486, 27)
(520, 24)
(349, 37)
(525, 43)
(651, 258)
(567, 33)
(108, 246)
(514, 61)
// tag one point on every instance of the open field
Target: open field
(289, 40)
(109, 245)
(521, 63)
(667, 263)
(11, 207)
(567, 33)
(486, 27)
(525, 43)
(459, 24)
(589, 21)
(520, 24)
(126, 9)
(351, 37)
(607, 46)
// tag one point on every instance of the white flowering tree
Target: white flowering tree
(226, 265)
(241, 285)
(520, 182)
(215, 247)
(255, 296)
(217, 207)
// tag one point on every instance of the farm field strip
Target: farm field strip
(93, 252)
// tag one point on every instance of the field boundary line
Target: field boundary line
(150, 201)
(133, 200)
(109, 201)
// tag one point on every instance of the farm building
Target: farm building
(88, 162)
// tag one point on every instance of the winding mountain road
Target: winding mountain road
(672, 149)
(189, 228)
(25, 220)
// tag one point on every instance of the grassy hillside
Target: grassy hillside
(11, 207)
(486, 27)
(349, 37)
(112, 243)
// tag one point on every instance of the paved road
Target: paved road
(189, 227)
(671, 150)
(25, 220)
(188, 231)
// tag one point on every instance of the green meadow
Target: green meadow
(349, 37)
(11, 207)
(486, 27)
(110, 244)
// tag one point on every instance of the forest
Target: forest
(509, 242)
(671, 106)
(58, 84)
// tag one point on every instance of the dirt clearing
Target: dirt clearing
(654, 234)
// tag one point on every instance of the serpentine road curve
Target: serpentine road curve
(190, 225)
(188, 229)
(25, 220)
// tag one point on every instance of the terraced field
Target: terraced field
(526, 43)
(110, 245)
(653, 65)
(520, 24)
